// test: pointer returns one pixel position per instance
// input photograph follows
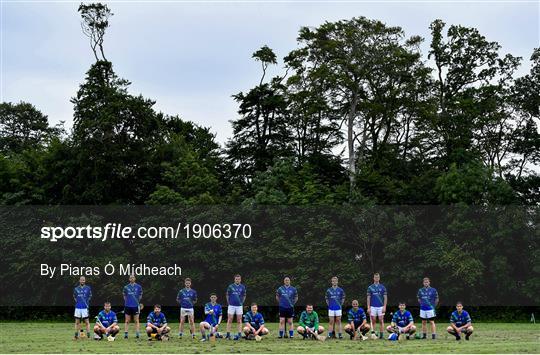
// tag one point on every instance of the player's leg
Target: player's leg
(349, 330)
(424, 328)
(302, 331)
(264, 331)
(126, 324)
(115, 329)
(412, 330)
(204, 326)
(191, 319)
(137, 325)
(433, 328)
(338, 325)
(77, 326)
(239, 326)
(452, 331)
(230, 317)
(364, 329)
(149, 331)
(281, 325)
(181, 323)
(320, 330)
(87, 322)
(291, 326)
(331, 323)
(246, 331)
(468, 332)
(381, 325)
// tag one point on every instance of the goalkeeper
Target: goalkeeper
(309, 323)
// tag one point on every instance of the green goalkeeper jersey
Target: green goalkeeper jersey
(309, 320)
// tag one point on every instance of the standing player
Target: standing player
(187, 297)
(308, 325)
(82, 295)
(106, 323)
(156, 323)
(254, 323)
(335, 296)
(460, 323)
(402, 322)
(132, 298)
(213, 318)
(286, 296)
(236, 295)
(428, 299)
(357, 322)
(377, 299)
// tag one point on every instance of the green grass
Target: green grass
(27, 337)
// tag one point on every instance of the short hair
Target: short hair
(213, 294)
(237, 275)
(107, 302)
(309, 304)
(253, 304)
(157, 306)
(187, 279)
(354, 301)
(402, 302)
(459, 302)
(376, 274)
(427, 278)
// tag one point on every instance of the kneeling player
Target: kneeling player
(254, 323)
(106, 323)
(309, 324)
(156, 323)
(460, 323)
(357, 322)
(213, 318)
(402, 322)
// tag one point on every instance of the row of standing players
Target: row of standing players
(357, 327)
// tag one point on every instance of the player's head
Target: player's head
(334, 280)
(82, 280)
(309, 308)
(132, 278)
(237, 279)
(187, 282)
(107, 306)
(402, 306)
(254, 307)
(354, 303)
(426, 281)
(213, 297)
(287, 281)
(157, 308)
(459, 306)
(376, 277)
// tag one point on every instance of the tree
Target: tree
(95, 21)
(22, 126)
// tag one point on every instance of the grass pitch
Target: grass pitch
(41, 337)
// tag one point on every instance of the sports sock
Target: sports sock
(180, 334)
(76, 334)
(291, 333)
(339, 335)
(137, 334)
(88, 334)
(330, 334)
(228, 334)
(433, 335)
(281, 332)
(424, 335)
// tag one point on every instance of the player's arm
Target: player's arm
(436, 298)
(368, 302)
(277, 295)
(261, 326)
(385, 302)
(227, 295)
(178, 298)
(195, 297)
(302, 321)
(326, 298)
(453, 324)
(75, 295)
(220, 318)
(342, 298)
(295, 297)
(150, 323)
(124, 293)
(248, 323)
(89, 296)
(243, 296)
(418, 297)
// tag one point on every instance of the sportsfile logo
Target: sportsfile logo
(119, 231)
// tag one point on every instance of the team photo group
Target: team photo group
(251, 325)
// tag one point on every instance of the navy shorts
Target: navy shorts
(131, 311)
(286, 312)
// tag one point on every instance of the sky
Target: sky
(191, 56)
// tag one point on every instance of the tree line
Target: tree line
(358, 116)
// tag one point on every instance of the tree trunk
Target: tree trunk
(350, 141)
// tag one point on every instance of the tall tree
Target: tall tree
(95, 21)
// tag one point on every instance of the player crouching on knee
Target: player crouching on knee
(106, 324)
(357, 322)
(309, 324)
(212, 320)
(156, 325)
(460, 323)
(254, 327)
(402, 323)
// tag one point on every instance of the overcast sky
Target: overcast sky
(190, 57)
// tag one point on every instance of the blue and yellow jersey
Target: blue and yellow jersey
(377, 293)
(357, 315)
(255, 319)
(213, 318)
(82, 296)
(402, 319)
(287, 296)
(335, 296)
(236, 294)
(107, 318)
(460, 319)
(156, 319)
(427, 296)
(132, 294)
(186, 297)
